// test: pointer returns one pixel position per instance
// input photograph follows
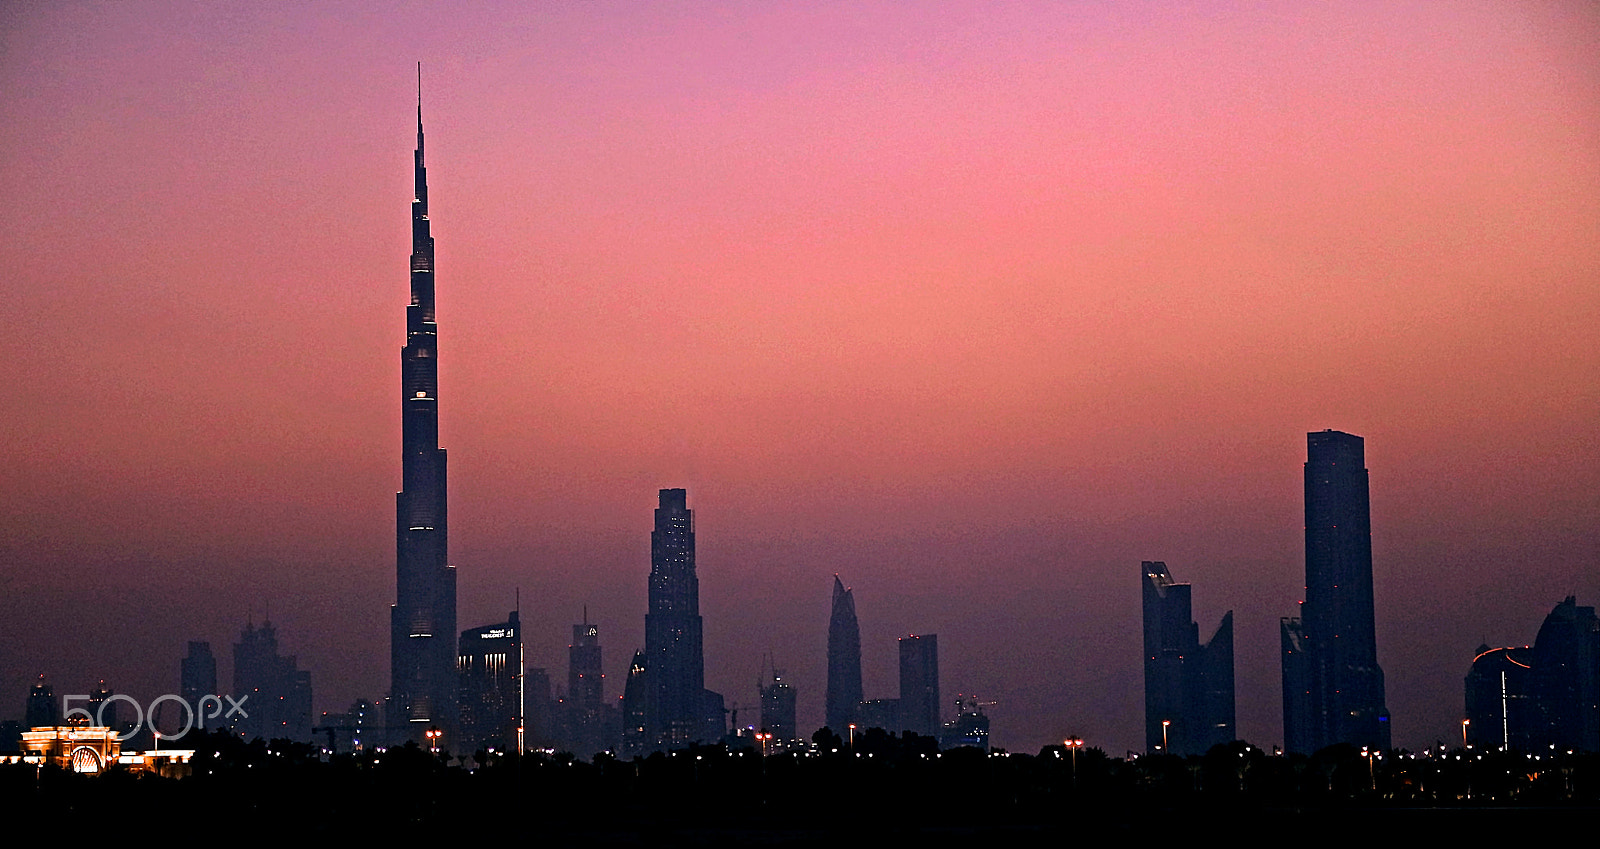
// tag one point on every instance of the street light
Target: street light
(852, 736)
(1164, 724)
(1073, 744)
(433, 735)
(1464, 724)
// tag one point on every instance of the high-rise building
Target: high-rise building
(274, 693)
(1565, 679)
(777, 705)
(919, 684)
(844, 660)
(1500, 712)
(102, 707)
(587, 723)
(637, 698)
(680, 711)
(43, 712)
(1343, 697)
(586, 685)
(1540, 697)
(1188, 685)
(1297, 713)
(422, 622)
(492, 705)
(197, 679)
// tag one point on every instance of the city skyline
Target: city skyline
(976, 308)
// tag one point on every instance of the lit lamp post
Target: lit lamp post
(1164, 724)
(852, 737)
(1464, 724)
(433, 735)
(1073, 744)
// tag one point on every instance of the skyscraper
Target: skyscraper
(679, 712)
(1544, 696)
(422, 622)
(844, 660)
(197, 679)
(1188, 685)
(1343, 694)
(42, 709)
(585, 682)
(777, 705)
(489, 664)
(278, 691)
(919, 684)
(1565, 679)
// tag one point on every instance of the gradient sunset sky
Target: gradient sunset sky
(975, 304)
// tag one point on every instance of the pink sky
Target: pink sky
(978, 305)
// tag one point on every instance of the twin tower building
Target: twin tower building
(1332, 684)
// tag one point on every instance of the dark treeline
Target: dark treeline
(888, 788)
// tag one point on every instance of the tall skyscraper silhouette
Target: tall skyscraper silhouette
(585, 681)
(422, 622)
(844, 661)
(279, 691)
(919, 684)
(197, 679)
(1188, 685)
(1333, 686)
(674, 656)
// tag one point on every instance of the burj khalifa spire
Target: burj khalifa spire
(422, 621)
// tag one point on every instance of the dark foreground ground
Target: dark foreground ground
(888, 792)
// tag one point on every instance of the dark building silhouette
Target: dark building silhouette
(422, 622)
(919, 684)
(43, 711)
(1542, 697)
(1500, 712)
(1188, 685)
(1565, 679)
(103, 708)
(680, 710)
(1297, 711)
(844, 660)
(969, 728)
(197, 679)
(585, 681)
(637, 696)
(1337, 663)
(777, 705)
(277, 693)
(540, 706)
(489, 666)
(588, 724)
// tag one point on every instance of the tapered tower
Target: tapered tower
(844, 660)
(422, 693)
